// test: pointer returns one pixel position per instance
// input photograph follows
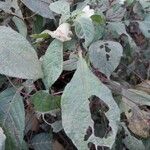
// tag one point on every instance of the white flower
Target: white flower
(62, 33)
(87, 12)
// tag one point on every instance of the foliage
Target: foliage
(75, 73)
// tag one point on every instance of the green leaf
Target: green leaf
(52, 62)
(18, 58)
(21, 26)
(99, 19)
(42, 141)
(70, 45)
(12, 117)
(131, 142)
(11, 7)
(40, 7)
(145, 28)
(105, 56)
(145, 4)
(115, 13)
(99, 32)
(76, 116)
(84, 28)
(40, 35)
(71, 63)
(38, 24)
(61, 7)
(120, 29)
(44, 102)
(57, 126)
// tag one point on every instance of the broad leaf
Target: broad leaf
(44, 102)
(120, 29)
(12, 117)
(145, 28)
(84, 28)
(18, 58)
(105, 56)
(115, 13)
(101, 5)
(21, 26)
(40, 7)
(145, 4)
(42, 141)
(70, 64)
(61, 7)
(52, 63)
(11, 7)
(76, 116)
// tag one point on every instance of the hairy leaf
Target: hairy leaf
(115, 13)
(18, 58)
(10, 7)
(105, 56)
(21, 26)
(42, 141)
(40, 7)
(145, 28)
(61, 7)
(52, 62)
(76, 116)
(120, 29)
(84, 28)
(70, 64)
(12, 117)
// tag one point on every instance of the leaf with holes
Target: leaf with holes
(76, 116)
(105, 56)
(18, 58)
(52, 62)
(120, 29)
(12, 117)
(11, 7)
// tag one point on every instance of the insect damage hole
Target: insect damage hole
(98, 109)
(107, 49)
(107, 57)
(88, 133)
